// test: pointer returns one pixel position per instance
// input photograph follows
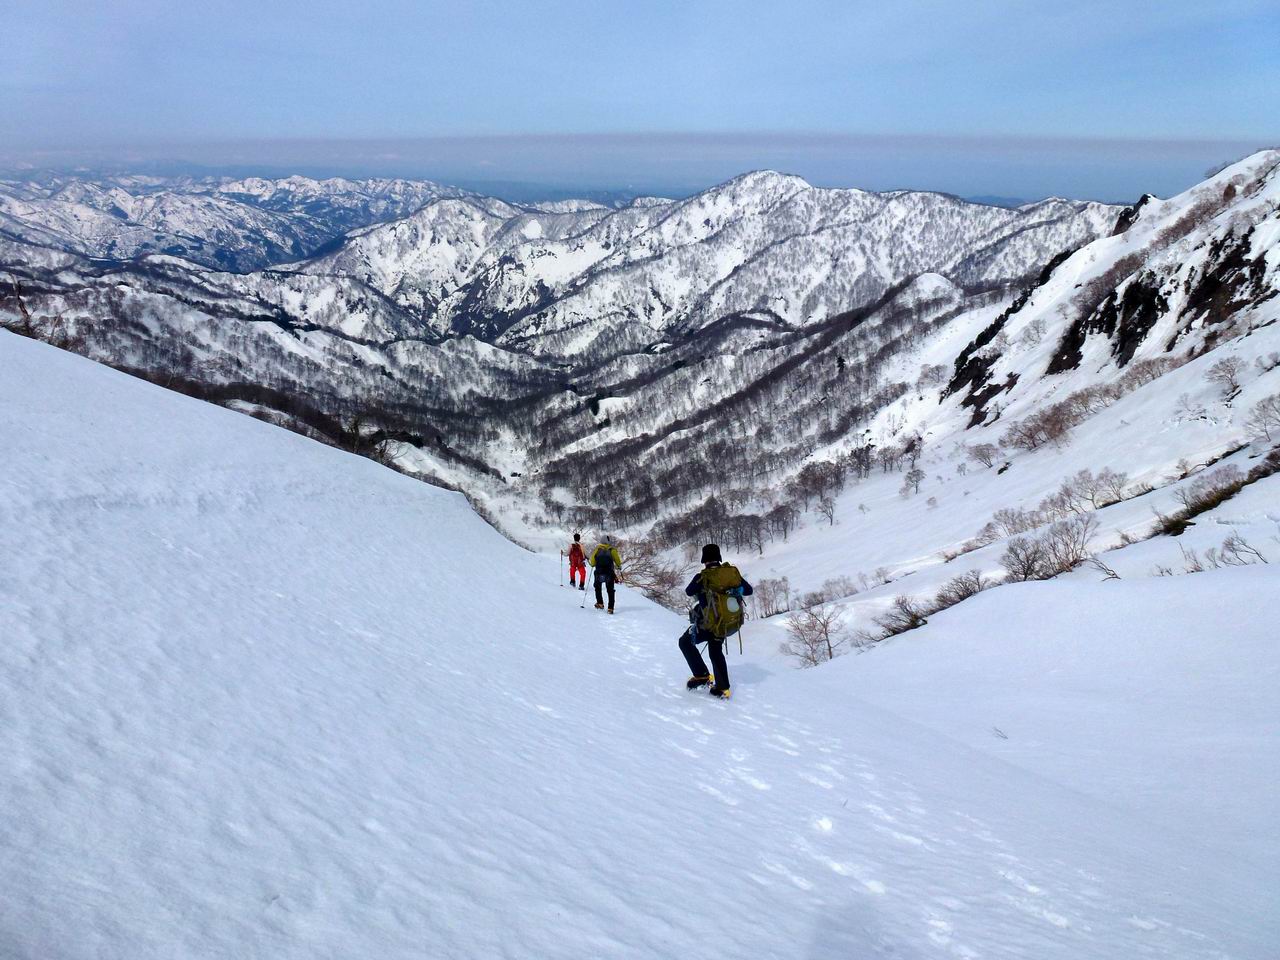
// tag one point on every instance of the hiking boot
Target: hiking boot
(695, 682)
(611, 609)
(583, 588)
(719, 691)
(599, 606)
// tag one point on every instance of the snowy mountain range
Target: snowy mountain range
(237, 225)
(576, 363)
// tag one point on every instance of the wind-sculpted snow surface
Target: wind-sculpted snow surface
(260, 698)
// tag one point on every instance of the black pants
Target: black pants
(689, 641)
(605, 579)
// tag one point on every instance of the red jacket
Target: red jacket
(576, 557)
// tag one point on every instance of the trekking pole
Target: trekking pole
(562, 568)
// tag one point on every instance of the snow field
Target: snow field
(259, 698)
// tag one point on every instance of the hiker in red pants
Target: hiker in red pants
(577, 563)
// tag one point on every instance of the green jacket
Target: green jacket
(612, 552)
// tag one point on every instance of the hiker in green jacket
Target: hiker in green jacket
(607, 563)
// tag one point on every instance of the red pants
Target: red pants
(577, 568)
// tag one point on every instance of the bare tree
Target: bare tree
(827, 508)
(1237, 552)
(1226, 374)
(773, 596)
(914, 477)
(659, 577)
(1023, 559)
(1264, 419)
(815, 635)
(961, 588)
(905, 614)
(1066, 543)
(984, 453)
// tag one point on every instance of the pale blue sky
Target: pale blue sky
(973, 94)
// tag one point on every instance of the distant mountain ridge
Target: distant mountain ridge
(622, 365)
(233, 224)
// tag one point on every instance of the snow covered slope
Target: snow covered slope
(260, 698)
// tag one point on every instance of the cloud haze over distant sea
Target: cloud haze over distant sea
(680, 163)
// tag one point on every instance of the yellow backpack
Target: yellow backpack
(722, 612)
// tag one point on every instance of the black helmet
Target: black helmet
(711, 553)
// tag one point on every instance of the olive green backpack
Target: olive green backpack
(722, 612)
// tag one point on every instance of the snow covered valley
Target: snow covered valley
(262, 698)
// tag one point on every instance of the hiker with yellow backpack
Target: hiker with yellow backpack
(607, 563)
(716, 616)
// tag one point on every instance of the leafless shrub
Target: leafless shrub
(1096, 290)
(837, 587)
(984, 453)
(1264, 419)
(911, 481)
(1087, 491)
(905, 614)
(961, 588)
(773, 596)
(1011, 521)
(1053, 424)
(932, 375)
(827, 510)
(1024, 559)
(1210, 489)
(1200, 213)
(989, 534)
(815, 635)
(1033, 333)
(1226, 375)
(1142, 372)
(653, 573)
(1050, 425)
(1270, 465)
(1190, 408)
(1066, 543)
(1191, 561)
(1060, 504)
(1234, 552)
(1204, 493)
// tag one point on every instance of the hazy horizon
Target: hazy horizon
(1014, 98)
(675, 164)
